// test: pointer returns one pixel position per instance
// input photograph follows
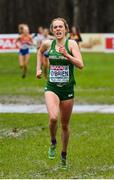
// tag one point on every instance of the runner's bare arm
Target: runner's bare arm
(31, 40)
(17, 41)
(45, 45)
(76, 59)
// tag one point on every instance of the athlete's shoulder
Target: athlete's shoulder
(29, 35)
(46, 43)
(19, 36)
(72, 42)
(22, 35)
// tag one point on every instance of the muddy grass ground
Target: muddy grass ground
(24, 138)
(94, 84)
(24, 142)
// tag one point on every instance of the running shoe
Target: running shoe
(23, 76)
(63, 164)
(51, 152)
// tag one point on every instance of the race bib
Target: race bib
(59, 74)
(24, 46)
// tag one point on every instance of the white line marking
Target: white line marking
(41, 108)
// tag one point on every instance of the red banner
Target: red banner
(7, 43)
(110, 43)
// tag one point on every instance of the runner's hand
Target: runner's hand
(63, 51)
(38, 74)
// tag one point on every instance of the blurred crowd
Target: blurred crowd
(25, 40)
(45, 34)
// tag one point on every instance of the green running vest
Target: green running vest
(61, 70)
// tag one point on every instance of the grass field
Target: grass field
(95, 83)
(24, 153)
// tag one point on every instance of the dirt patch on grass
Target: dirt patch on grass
(13, 99)
(14, 132)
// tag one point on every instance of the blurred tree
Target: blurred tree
(89, 15)
(94, 15)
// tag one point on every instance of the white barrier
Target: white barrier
(95, 42)
(7, 43)
(91, 42)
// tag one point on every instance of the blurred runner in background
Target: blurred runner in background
(23, 42)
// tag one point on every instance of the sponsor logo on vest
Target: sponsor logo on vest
(70, 95)
(56, 57)
(51, 51)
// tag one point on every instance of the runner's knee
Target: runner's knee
(65, 127)
(53, 117)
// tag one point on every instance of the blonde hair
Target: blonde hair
(61, 19)
(22, 28)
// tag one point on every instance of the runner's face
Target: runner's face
(26, 30)
(59, 29)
